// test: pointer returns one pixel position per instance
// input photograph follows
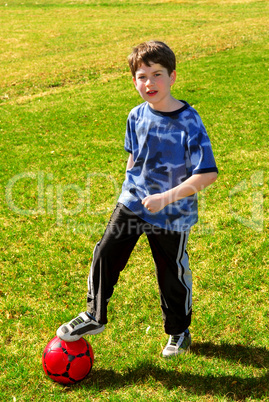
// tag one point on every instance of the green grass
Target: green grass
(65, 94)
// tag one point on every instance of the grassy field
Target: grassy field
(65, 93)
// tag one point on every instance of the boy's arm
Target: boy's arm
(197, 182)
(130, 162)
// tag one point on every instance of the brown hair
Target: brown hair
(152, 52)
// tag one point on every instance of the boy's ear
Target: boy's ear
(173, 77)
(134, 81)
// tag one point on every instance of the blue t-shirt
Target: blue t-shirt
(167, 149)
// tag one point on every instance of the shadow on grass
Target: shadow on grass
(232, 386)
(245, 355)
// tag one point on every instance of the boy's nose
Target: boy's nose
(149, 82)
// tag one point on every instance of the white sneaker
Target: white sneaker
(178, 344)
(78, 327)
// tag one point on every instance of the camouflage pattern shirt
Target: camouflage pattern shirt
(167, 149)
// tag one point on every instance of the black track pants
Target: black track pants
(171, 260)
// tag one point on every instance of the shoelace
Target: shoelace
(175, 338)
(76, 321)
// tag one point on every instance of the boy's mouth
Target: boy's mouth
(150, 93)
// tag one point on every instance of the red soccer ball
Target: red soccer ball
(67, 362)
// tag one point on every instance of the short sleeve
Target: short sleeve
(199, 148)
(128, 141)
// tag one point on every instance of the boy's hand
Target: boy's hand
(154, 203)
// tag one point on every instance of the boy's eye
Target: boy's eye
(143, 77)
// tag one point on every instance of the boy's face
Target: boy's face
(153, 84)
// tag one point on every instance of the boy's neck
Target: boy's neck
(171, 105)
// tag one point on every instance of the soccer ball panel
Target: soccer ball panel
(80, 368)
(56, 361)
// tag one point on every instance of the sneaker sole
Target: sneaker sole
(185, 352)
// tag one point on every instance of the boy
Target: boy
(170, 160)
